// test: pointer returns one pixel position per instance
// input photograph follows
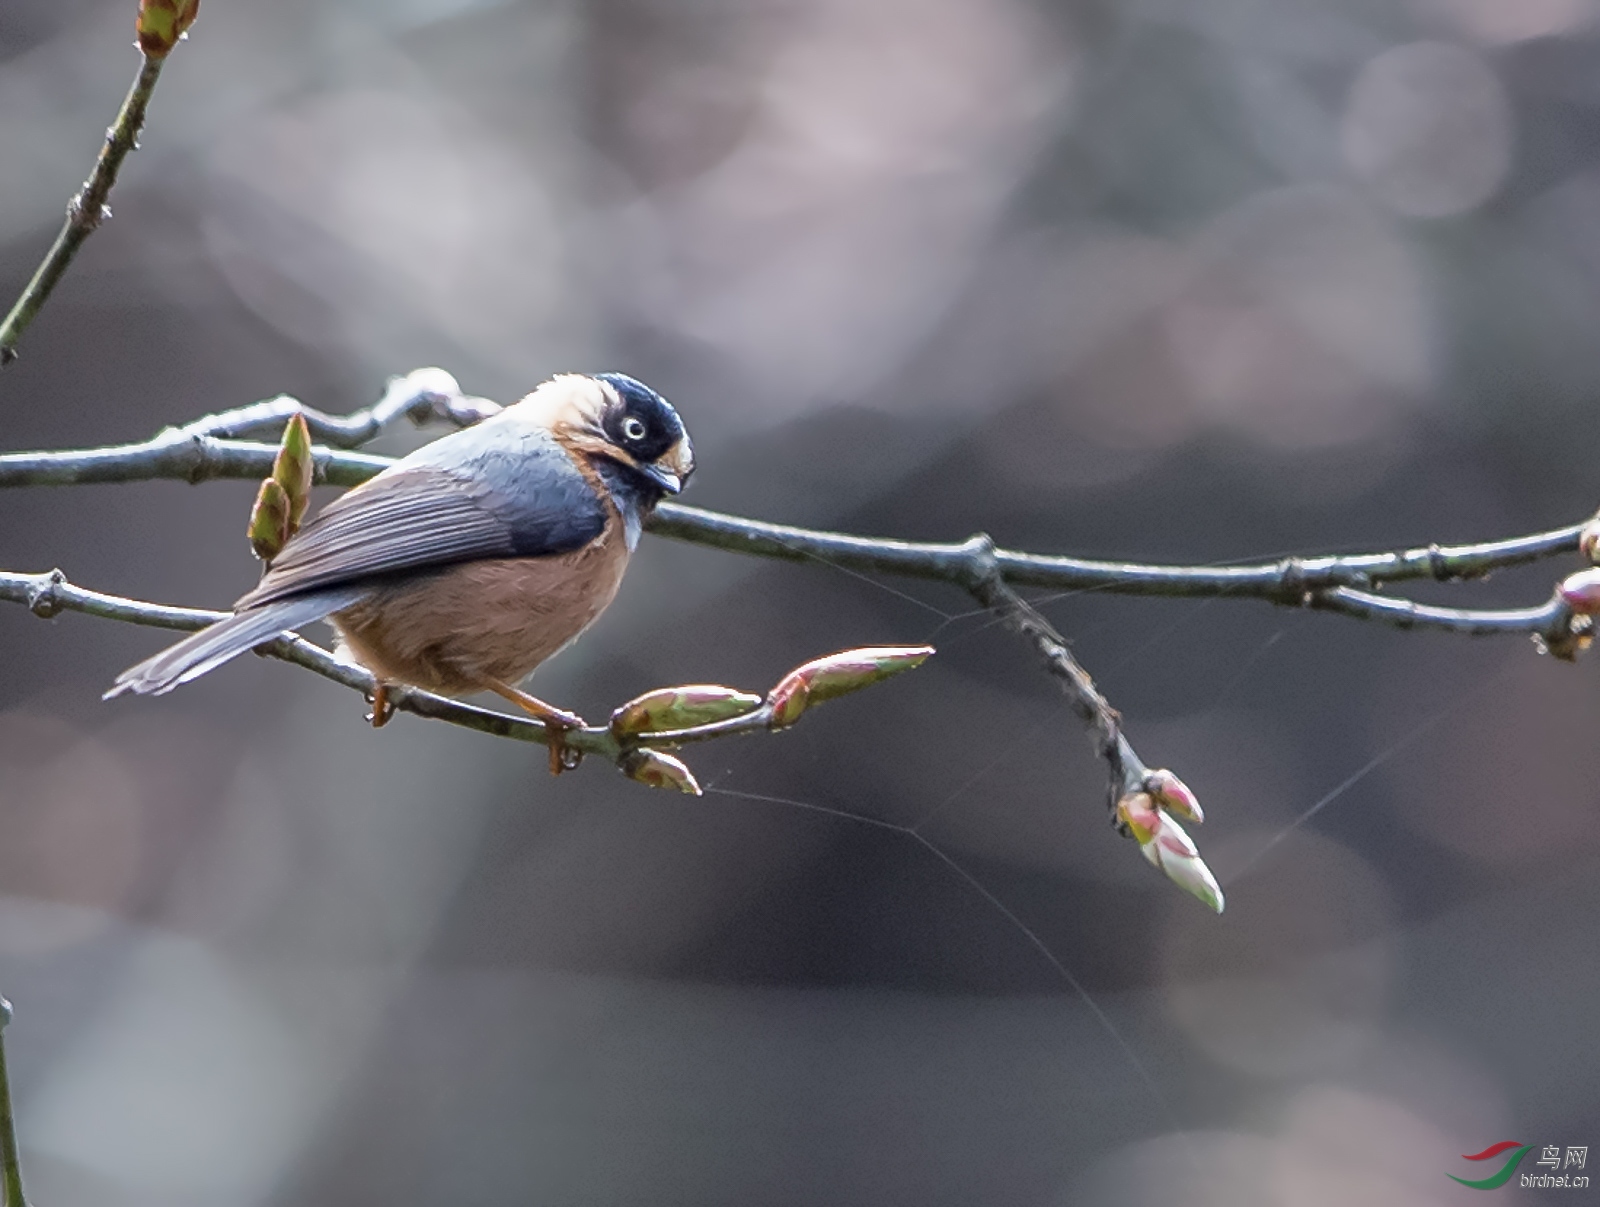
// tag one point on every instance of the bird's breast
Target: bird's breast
(454, 629)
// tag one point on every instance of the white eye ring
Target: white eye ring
(633, 428)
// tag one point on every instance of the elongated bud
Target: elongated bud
(162, 23)
(846, 671)
(1174, 853)
(1581, 591)
(1173, 795)
(292, 468)
(659, 770)
(681, 708)
(269, 520)
(1168, 846)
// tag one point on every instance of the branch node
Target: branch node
(1292, 583)
(43, 599)
(1438, 564)
(198, 459)
(979, 569)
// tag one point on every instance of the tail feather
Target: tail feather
(228, 638)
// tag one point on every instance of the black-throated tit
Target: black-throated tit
(465, 565)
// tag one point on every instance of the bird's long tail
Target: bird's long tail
(228, 638)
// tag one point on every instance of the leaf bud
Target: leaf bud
(269, 520)
(162, 23)
(837, 674)
(658, 770)
(669, 708)
(293, 468)
(1173, 795)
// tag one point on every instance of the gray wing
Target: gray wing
(501, 489)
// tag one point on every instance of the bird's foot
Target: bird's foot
(382, 706)
(558, 722)
(562, 756)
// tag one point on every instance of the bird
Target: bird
(465, 565)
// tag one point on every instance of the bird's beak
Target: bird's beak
(672, 469)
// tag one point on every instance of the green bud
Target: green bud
(162, 23)
(292, 469)
(658, 770)
(669, 708)
(269, 520)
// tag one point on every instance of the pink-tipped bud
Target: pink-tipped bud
(1173, 795)
(788, 701)
(837, 674)
(1168, 846)
(1581, 591)
(671, 708)
(1138, 812)
(659, 770)
(1174, 853)
(1589, 540)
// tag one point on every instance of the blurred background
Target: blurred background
(1190, 280)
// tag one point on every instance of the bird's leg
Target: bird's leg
(557, 720)
(382, 708)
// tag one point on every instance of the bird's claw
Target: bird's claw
(557, 722)
(562, 756)
(382, 706)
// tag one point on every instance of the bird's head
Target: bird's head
(615, 416)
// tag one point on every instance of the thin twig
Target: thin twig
(420, 396)
(1550, 621)
(10, 1164)
(86, 210)
(988, 587)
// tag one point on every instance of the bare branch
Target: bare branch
(1144, 804)
(47, 595)
(86, 210)
(206, 449)
(988, 587)
(176, 456)
(1551, 621)
(420, 396)
(1287, 582)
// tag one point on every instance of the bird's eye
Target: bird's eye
(633, 428)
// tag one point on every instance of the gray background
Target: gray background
(1167, 279)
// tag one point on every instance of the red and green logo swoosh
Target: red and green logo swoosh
(1503, 1175)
